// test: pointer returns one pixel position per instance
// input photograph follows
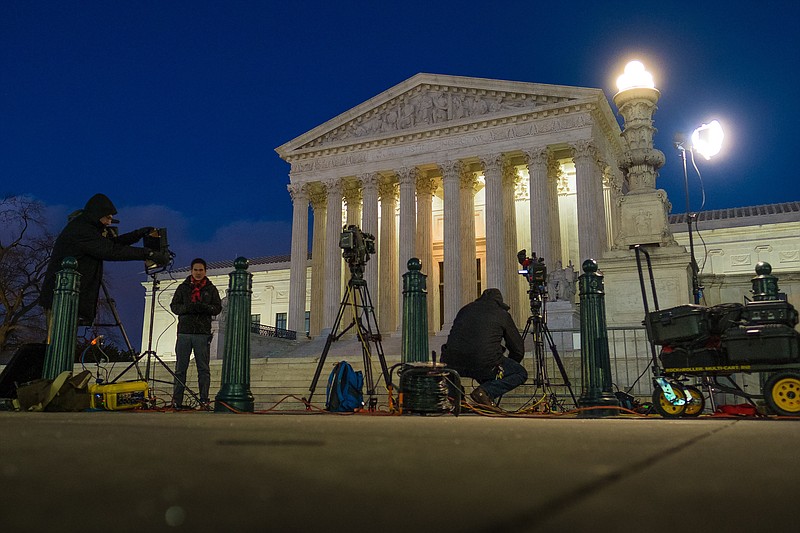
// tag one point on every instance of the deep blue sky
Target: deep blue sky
(174, 108)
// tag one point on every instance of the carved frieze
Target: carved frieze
(431, 105)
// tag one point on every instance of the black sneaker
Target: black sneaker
(481, 397)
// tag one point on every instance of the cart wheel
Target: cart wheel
(664, 407)
(697, 403)
(782, 393)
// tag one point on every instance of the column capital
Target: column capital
(352, 191)
(298, 192)
(369, 180)
(468, 179)
(537, 156)
(333, 186)
(585, 149)
(387, 189)
(510, 174)
(492, 163)
(317, 195)
(451, 169)
(426, 185)
(408, 175)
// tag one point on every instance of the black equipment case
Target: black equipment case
(768, 343)
(678, 324)
(770, 312)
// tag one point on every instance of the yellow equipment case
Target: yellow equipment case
(118, 396)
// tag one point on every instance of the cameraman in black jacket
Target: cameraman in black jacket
(475, 347)
(196, 301)
(89, 238)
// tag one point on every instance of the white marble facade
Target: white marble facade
(452, 170)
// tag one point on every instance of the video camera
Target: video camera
(356, 247)
(156, 241)
(535, 272)
(533, 268)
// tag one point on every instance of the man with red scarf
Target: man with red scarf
(196, 302)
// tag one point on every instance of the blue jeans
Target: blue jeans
(186, 343)
(514, 375)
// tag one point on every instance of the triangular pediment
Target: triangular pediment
(428, 102)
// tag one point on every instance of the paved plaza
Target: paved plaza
(202, 471)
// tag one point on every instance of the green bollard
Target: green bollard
(234, 393)
(765, 285)
(415, 314)
(63, 338)
(596, 387)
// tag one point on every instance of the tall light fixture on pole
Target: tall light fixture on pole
(706, 141)
(644, 210)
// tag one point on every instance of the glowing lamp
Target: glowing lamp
(634, 76)
(707, 139)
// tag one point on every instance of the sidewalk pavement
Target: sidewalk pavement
(202, 471)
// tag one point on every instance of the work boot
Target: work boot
(481, 397)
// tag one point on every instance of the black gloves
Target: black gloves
(142, 232)
(159, 258)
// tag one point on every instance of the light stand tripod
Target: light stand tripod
(697, 289)
(537, 327)
(366, 325)
(151, 353)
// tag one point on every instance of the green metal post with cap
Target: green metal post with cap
(63, 335)
(234, 393)
(415, 314)
(596, 387)
(765, 285)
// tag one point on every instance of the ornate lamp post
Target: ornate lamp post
(643, 209)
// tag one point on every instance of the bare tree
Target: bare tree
(25, 246)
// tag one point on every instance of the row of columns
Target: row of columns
(414, 188)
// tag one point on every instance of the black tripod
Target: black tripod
(357, 297)
(150, 353)
(537, 327)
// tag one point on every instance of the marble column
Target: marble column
(352, 199)
(426, 187)
(554, 175)
(495, 242)
(298, 270)
(452, 247)
(539, 191)
(387, 249)
(469, 273)
(510, 269)
(319, 198)
(408, 229)
(333, 254)
(369, 224)
(587, 188)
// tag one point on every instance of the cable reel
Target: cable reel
(428, 388)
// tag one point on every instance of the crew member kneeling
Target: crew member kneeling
(475, 347)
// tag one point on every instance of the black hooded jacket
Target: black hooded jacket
(86, 239)
(474, 346)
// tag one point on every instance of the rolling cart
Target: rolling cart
(701, 349)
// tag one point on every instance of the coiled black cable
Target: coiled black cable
(427, 388)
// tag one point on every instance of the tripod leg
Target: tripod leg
(331, 337)
(561, 369)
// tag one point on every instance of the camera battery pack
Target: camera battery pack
(118, 396)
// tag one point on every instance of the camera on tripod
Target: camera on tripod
(356, 247)
(156, 241)
(533, 269)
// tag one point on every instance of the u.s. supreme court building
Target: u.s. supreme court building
(464, 172)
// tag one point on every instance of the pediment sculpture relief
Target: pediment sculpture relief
(429, 106)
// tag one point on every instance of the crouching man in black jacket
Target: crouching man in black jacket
(475, 347)
(196, 302)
